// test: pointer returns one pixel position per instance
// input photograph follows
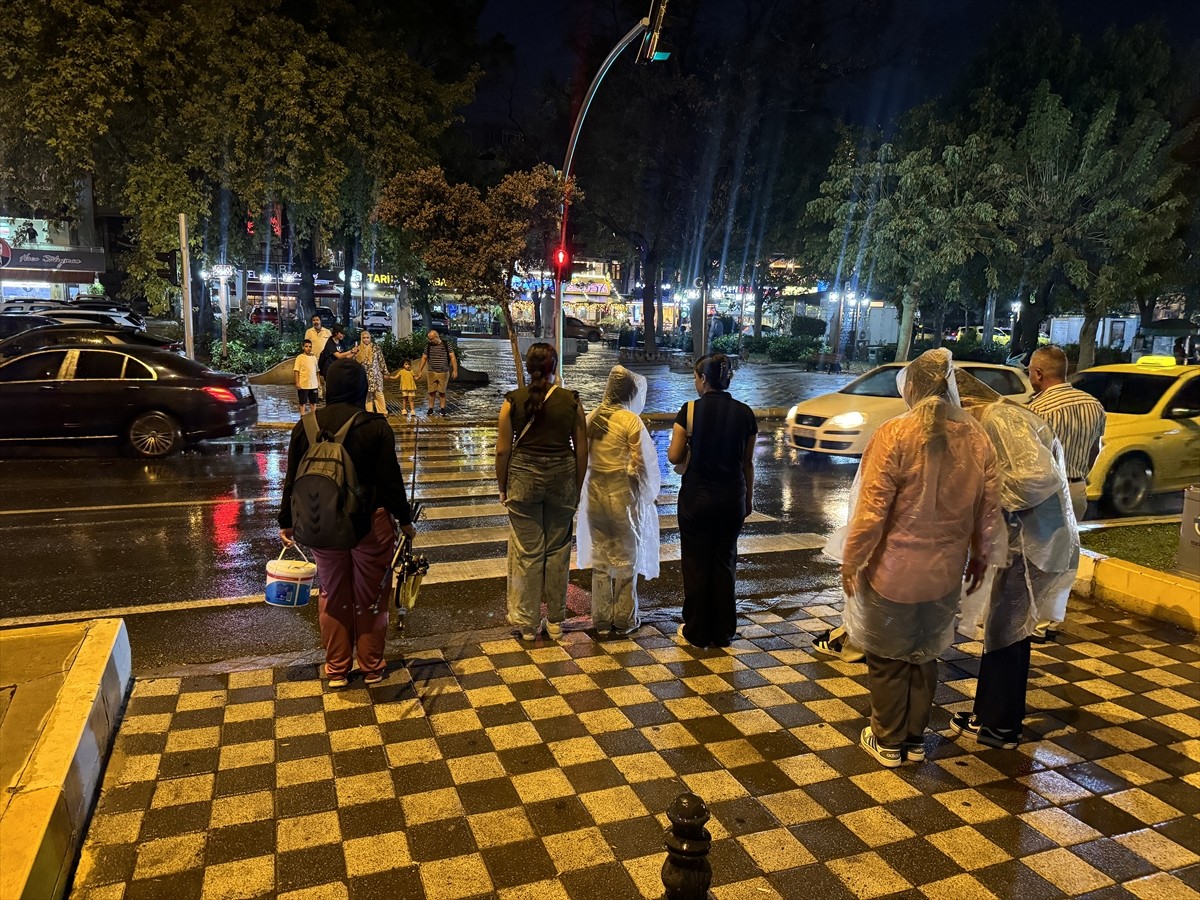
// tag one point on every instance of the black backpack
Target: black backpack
(326, 493)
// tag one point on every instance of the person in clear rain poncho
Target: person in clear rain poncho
(925, 499)
(1019, 600)
(618, 521)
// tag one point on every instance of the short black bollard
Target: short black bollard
(686, 874)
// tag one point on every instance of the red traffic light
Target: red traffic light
(560, 262)
(560, 258)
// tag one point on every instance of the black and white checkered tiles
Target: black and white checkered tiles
(543, 772)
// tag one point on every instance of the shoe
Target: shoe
(374, 678)
(838, 649)
(965, 723)
(913, 751)
(339, 681)
(429, 412)
(624, 632)
(889, 757)
(603, 630)
(528, 634)
(553, 629)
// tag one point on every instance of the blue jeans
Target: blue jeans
(542, 496)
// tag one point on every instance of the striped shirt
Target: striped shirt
(1078, 420)
(438, 357)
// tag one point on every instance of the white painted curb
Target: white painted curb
(45, 818)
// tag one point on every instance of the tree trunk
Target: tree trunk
(1087, 339)
(504, 298)
(305, 304)
(650, 291)
(939, 326)
(908, 307)
(758, 312)
(989, 319)
(1145, 307)
(1034, 311)
(348, 277)
(536, 296)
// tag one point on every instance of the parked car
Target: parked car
(152, 400)
(1152, 430)
(100, 304)
(842, 423)
(69, 315)
(577, 328)
(76, 335)
(326, 314)
(264, 314)
(437, 322)
(376, 320)
(29, 307)
(15, 323)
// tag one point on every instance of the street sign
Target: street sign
(5, 252)
(451, 310)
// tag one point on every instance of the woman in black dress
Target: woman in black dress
(716, 496)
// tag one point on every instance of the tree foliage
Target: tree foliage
(471, 241)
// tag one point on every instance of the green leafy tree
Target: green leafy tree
(470, 241)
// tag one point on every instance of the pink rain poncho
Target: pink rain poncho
(1031, 588)
(617, 532)
(926, 493)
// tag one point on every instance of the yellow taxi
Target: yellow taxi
(1152, 434)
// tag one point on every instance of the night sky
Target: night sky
(931, 40)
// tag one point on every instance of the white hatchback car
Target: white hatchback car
(377, 319)
(840, 424)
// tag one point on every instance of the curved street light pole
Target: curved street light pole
(557, 318)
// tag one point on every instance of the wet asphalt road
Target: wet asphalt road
(106, 532)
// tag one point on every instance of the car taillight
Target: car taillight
(223, 395)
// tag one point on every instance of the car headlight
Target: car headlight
(848, 420)
(792, 412)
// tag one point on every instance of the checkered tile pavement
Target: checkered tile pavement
(543, 771)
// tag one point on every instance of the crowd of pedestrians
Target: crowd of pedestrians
(963, 516)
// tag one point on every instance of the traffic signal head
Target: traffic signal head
(560, 262)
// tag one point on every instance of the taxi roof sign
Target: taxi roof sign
(1157, 362)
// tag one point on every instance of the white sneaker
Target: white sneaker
(553, 629)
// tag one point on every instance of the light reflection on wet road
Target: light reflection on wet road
(109, 532)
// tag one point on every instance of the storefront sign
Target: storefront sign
(66, 260)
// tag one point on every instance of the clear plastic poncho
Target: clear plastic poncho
(927, 492)
(1034, 584)
(617, 529)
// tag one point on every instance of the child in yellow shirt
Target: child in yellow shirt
(408, 388)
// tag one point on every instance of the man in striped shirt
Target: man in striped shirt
(1077, 418)
(442, 364)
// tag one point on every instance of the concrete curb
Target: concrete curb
(769, 413)
(45, 819)
(1162, 596)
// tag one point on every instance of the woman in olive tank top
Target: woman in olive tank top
(541, 458)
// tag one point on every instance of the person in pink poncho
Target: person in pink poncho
(924, 509)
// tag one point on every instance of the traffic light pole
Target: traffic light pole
(556, 322)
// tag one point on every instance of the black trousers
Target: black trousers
(710, 519)
(901, 699)
(1000, 694)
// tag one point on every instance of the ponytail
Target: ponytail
(716, 369)
(540, 362)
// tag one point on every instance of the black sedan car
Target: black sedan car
(153, 400)
(77, 335)
(15, 323)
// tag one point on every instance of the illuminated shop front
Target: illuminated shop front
(37, 262)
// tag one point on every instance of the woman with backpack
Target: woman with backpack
(541, 459)
(349, 520)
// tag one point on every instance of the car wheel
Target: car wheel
(1127, 485)
(154, 434)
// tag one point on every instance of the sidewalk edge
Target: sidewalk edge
(1162, 596)
(47, 817)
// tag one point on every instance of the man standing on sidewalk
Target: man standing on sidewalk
(319, 335)
(1076, 418)
(442, 363)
